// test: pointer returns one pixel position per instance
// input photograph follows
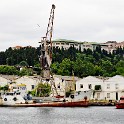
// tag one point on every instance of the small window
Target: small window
(90, 86)
(81, 85)
(62, 44)
(98, 95)
(32, 87)
(97, 87)
(76, 44)
(59, 86)
(116, 86)
(121, 98)
(108, 95)
(108, 86)
(62, 80)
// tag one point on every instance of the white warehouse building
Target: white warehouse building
(93, 83)
(111, 88)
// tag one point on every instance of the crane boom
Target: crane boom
(46, 47)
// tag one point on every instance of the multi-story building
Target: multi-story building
(64, 84)
(114, 88)
(88, 45)
(111, 88)
(66, 44)
(108, 46)
(93, 83)
(120, 45)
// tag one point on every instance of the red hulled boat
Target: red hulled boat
(120, 104)
(83, 103)
(78, 99)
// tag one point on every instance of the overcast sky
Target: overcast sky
(80, 20)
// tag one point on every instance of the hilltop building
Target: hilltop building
(19, 47)
(108, 46)
(66, 44)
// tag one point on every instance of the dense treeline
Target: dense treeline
(11, 60)
(13, 57)
(96, 63)
(66, 62)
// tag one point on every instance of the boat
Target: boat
(83, 103)
(78, 99)
(120, 104)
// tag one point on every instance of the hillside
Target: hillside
(67, 62)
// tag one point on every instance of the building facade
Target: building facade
(30, 82)
(114, 87)
(111, 88)
(108, 46)
(93, 83)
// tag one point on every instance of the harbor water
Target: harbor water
(36, 115)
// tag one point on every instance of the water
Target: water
(90, 115)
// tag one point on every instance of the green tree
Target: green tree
(23, 64)
(120, 67)
(43, 89)
(55, 67)
(66, 67)
(8, 70)
(107, 66)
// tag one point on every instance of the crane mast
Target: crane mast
(46, 47)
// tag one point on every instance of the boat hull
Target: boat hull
(120, 106)
(52, 104)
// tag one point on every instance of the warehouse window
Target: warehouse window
(108, 95)
(90, 86)
(116, 86)
(81, 85)
(98, 95)
(108, 86)
(32, 87)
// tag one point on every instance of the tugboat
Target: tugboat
(120, 104)
(14, 99)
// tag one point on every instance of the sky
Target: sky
(79, 20)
